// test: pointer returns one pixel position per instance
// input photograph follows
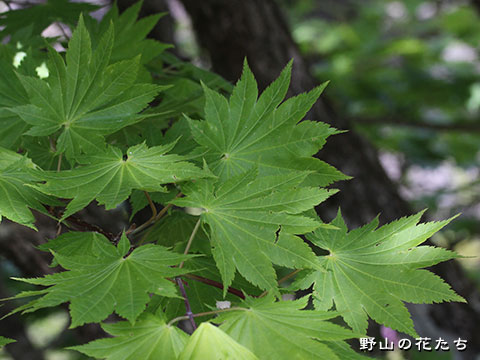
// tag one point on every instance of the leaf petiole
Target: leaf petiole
(206, 313)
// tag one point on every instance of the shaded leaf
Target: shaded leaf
(109, 177)
(114, 280)
(16, 193)
(149, 339)
(87, 98)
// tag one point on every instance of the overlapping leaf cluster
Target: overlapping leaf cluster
(241, 181)
(262, 157)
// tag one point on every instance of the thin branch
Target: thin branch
(163, 211)
(168, 206)
(53, 148)
(206, 313)
(152, 205)
(132, 230)
(155, 219)
(75, 223)
(190, 240)
(283, 279)
(59, 163)
(216, 284)
(59, 25)
(59, 229)
(288, 276)
(189, 313)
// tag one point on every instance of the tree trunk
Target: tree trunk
(235, 29)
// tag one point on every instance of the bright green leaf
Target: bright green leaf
(109, 178)
(245, 213)
(96, 286)
(5, 341)
(149, 339)
(209, 342)
(281, 330)
(371, 271)
(244, 132)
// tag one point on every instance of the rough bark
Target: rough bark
(235, 29)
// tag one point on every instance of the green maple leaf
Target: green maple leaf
(244, 132)
(148, 339)
(109, 178)
(209, 342)
(5, 341)
(40, 16)
(370, 272)
(281, 330)
(87, 98)
(75, 243)
(114, 280)
(12, 94)
(245, 213)
(130, 34)
(16, 192)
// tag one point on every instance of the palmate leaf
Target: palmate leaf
(244, 132)
(87, 98)
(16, 192)
(130, 35)
(75, 243)
(370, 272)
(209, 342)
(114, 280)
(109, 178)
(281, 330)
(40, 16)
(148, 339)
(245, 213)
(12, 94)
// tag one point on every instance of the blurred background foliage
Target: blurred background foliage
(407, 75)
